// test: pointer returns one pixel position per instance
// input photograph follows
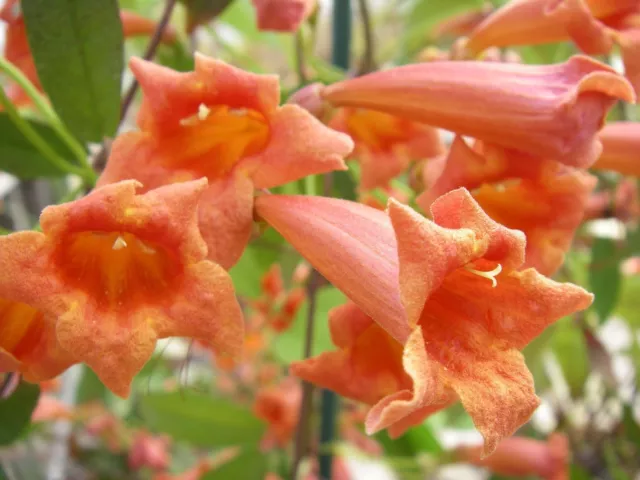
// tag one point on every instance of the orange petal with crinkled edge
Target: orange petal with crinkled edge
(532, 22)
(366, 367)
(299, 145)
(542, 198)
(478, 316)
(226, 218)
(28, 342)
(410, 406)
(621, 148)
(351, 245)
(385, 144)
(282, 15)
(549, 110)
(132, 269)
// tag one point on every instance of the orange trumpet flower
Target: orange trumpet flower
(468, 306)
(110, 274)
(533, 22)
(282, 15)
(17, 49)
(524, 457)
(553, 111)
(544, 199)
(593, 25)
(225, 124)
(620, 148)
(385, 144)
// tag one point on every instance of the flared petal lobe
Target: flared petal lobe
(479, 313)
(28, 342)
(224, 124)
(118, 270)
(368, 364)
(553, 111)
(542, 198)
(620, 148)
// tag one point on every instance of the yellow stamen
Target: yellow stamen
(203, 112)
(119, 244)
(490, 275)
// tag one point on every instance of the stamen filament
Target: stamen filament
(490, 275)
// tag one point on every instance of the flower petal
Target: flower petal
(206, 309)
(299, 145)
(621, 144)
(499, 395)
(427, 253)
(226, 218)
(410, 407)
(368, 365)
(351, 245)
(536, 109)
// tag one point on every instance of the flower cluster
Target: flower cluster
(445, 287)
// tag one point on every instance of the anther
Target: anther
(119, 244)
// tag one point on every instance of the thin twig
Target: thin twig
(367, 63)
(302, 431)
(101, 156)
(300, 60)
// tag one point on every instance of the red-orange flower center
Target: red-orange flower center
(118, 269)
(215, 138)
(377, 130)
(21, 327)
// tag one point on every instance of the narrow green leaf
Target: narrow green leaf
(200, 419)
(20, 158)
(78, 49)
(90, 388)
(15, 411)
(604, 276)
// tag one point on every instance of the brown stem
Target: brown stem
(101, 157)
(301, 444)
(299, 56)
(368, 61)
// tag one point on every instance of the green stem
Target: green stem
(45, 109)
(341, 33)
(40, 144)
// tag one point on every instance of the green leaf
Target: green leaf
(425, 14)
(289, 346)
(78, 49)
(416, 440)
(90, 388)
(569, 345)
(15, 411)
(20, 158)
(604, 276)
(202, 420)
(251, 463)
